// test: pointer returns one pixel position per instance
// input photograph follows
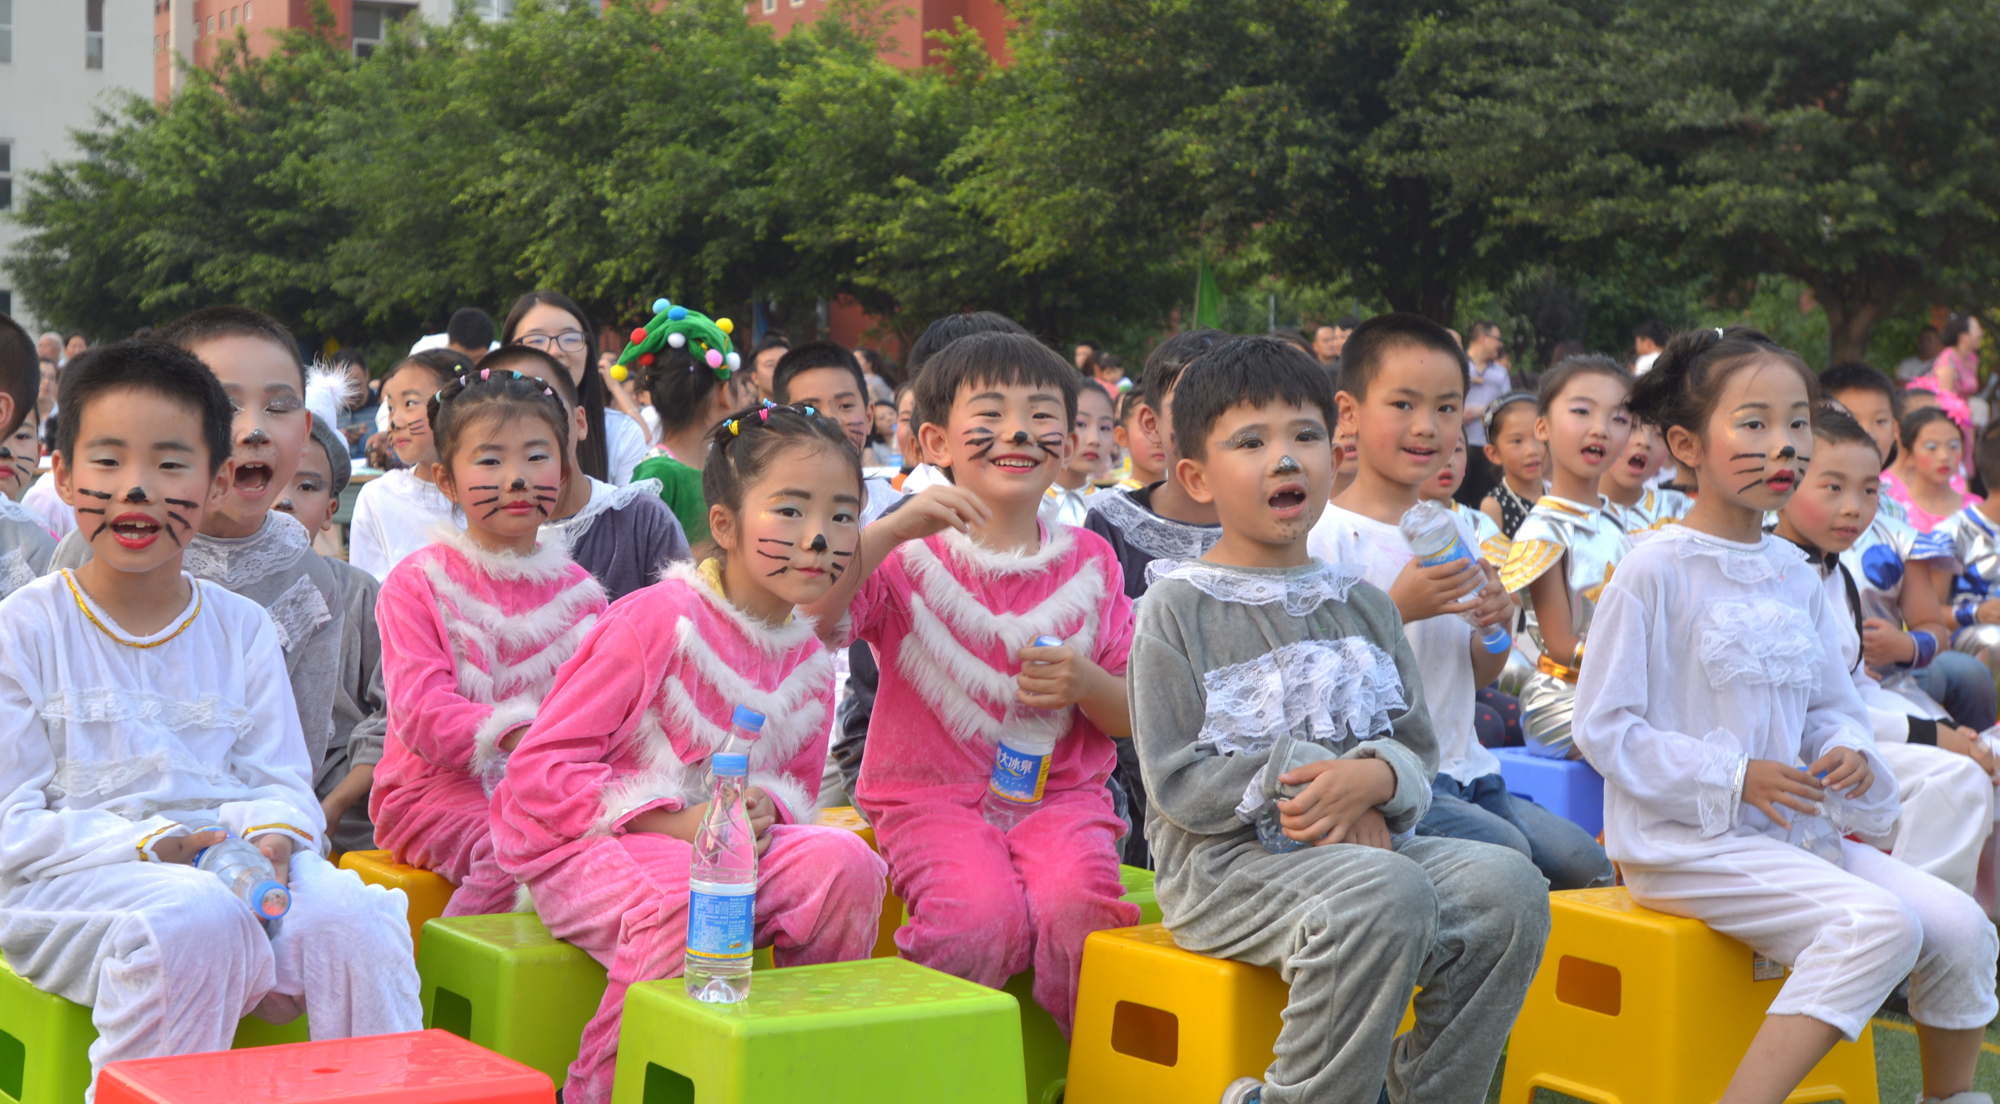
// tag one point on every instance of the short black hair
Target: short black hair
(1853, 375)
(1245, 371)
(992, 359)
(1837, 427)
(943, 331)
(520, 358)
(1361, 358)
(162, 371)
(772, 339)
(20, 371)
(1484, 327)
(811, 355)
(1956, 327)
(1654, 331)
(1129, 404)
(1171, 357)
(470, 328)
(1912, 424)
(209, 323)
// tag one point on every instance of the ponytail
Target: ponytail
(1685, 383)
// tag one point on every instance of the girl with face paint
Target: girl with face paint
(598, 811)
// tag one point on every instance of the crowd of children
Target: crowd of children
(1755, 604)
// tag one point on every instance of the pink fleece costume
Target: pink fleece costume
(471, 640)
(945, 618)
(629, 728)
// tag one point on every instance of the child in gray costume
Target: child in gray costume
(1260, 681)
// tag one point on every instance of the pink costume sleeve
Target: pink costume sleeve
(880, 607)
(1115, 623)
(427, 714)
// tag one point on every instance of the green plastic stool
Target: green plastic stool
(1138, 884)
(878, 1031)
(505, 983)
(45, 1042)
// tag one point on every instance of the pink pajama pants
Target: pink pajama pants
(624, 900)
(984, 905)
(445, 829)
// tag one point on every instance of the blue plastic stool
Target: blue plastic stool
(1569, 788)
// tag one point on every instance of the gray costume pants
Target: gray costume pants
(1353, 929)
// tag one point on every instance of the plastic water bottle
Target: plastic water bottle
(247, 873)
(1433, 536)
(744, 727)
(1021, 760)
(722, 891)
(1819, 833)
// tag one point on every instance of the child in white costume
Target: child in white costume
(121, 731)
(1744, 684)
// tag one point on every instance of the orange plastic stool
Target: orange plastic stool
(1633, 1006)
(428, 893)
(422, 1067)
(893, 912)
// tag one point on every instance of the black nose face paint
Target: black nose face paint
(818, 544)
(1288, 466)
(1787, 453)
(1020, 437)
(257, 436)
(518, 485)
(136, 494)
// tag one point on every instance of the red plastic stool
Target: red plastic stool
(421, 1067)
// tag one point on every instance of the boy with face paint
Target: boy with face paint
(140, 705)
(25, 545)
(243, 544)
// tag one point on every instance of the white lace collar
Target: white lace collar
(604, 497)
(1158, 537)
(772, 641)
(1056, 543)
(1758, 562)
(237, 561)
(545, 564)
(1301, 589)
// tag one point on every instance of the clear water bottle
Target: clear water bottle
(744, 727)
(247, 873)
(722, 891)
(1021, 760)
(1434, 537)
(1819, 834)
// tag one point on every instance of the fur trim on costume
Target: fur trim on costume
(787, 791)
(524, 901)
(1077, 599)
(546, 564)
(1056, 542)
(771, 641)
(662, 777)
(790, 722)
(505, 718)
(490, 625)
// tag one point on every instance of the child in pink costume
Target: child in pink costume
(952, 620)
(599, 807)
(473, 629)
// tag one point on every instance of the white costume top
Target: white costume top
(107, 747)
(1707, 653)
(25, 546)
(625, 445)
(393, 516)
(1656, 507)
(1063, 506)
(56, 515)
(1442, 644)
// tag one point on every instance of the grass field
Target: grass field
(1898, 1075)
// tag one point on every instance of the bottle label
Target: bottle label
(1019, 776)
(1454, 551)
(722, 921)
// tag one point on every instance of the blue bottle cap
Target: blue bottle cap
(1048, 642)
(749, 718)
(270, 900)
(732, 763)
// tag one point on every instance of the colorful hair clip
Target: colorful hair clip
(735, 427)
(486, 373)
(677, 327)
(764, 415)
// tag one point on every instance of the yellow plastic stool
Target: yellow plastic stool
(428, 893)
(894, 915)
(1633, 1006)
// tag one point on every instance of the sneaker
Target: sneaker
(1958, 1098)
(1247, 1090)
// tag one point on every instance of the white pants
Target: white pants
(1947, 812)
(169, 960)
(1849, 935)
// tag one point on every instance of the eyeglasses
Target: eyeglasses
(571, 341)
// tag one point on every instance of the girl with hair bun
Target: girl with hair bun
(474, 626)
(1737, 754)
(597, 814)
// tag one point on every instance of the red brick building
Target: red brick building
(920, 17)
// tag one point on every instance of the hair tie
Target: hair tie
(809, 410)
(1718, 333)
(764, 415)
(486, 374)
(549, 391)
(735, 427)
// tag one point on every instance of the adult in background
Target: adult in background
(1329, 339)
(880, 372)
(550, 321)
(1084, 353)
(764, 357)
(1956, 367)
(470, 331)
(1648, 338)
(359, 403)
(76, 346)
(1490, 380)
(49, 347)
(1929, 345)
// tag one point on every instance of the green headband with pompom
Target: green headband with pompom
(672, 327)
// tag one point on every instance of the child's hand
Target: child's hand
(1420, 592)
(1885, 645)
(1966, 742)
(181, 849)
(512, 739)
(278, 849)
(1844, 769)
(935, 510)
(1768, 784)
(1493, 605)
(1370, 830)
(763, 813)
(1051, 677)
(1337, 792)
(352, 788)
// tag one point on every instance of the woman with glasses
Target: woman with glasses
(614, 442)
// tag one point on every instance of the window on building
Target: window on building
(6, 30)
(93, 38)
(6, 302)
(770, 7)
(246, 11)
(372, 23)
(6, 177)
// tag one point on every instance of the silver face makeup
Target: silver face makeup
(1288, 466)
